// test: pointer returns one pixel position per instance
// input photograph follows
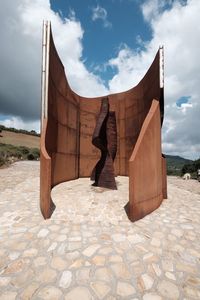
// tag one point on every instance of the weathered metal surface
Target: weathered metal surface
(105, 139)
(70, 121)
(145, 168)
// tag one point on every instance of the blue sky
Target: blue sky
(101, 41)
(103, 37)
(106, 46)
(182, 100)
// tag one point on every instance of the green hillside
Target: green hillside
(175, 164)
(18, 145)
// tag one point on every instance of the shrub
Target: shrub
(191, 168)
(30, 156)
(24, 150)
(2, 161)
(35, 152)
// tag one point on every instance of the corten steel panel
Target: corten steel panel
(70, 121)
(60, 128)
(46, 204)
(145, 168)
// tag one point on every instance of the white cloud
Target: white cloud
(178, 29)
(20, 56)
(100, 13)
(152, 8)
(18, 123)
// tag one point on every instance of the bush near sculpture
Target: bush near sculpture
(191, 168)
(10, 153)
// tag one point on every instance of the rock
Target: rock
(43, 233)
(4, 281)
(184, 267)
(121, 271)
(40, 261)
(65, 279)
(8, 296)
(75, 239)
(58, 263)
(105, 250)
(100, 288)
(115, 258)
(105, 237)
(14, 255)
(16, 266)
(167, 265)
(145, 282)
(22, 278)
(99, 260)
(74, 246)
(61, 249)
(155, 242)
(29, 291)
(135, 238)
(54, 227)
(170, 275)
(77, 264)
(103, 274)
(168, 289)
(195, 281)
(156, 269)
(52, 247)
(118, 237)
(46, 275)
(61, 238)
(125, 289)
(177, 232)
(150, 257)
(72, 255)
(151, 296)
(77, 293)
(30, 252)
(137, 268)
(83, 276)
(191, 292)
(89, 251)
(50, 293)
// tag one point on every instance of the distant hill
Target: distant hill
(12, 129)
(175, 164)
(19, 139)
(30, 140)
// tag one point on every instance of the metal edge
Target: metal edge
(48, 25)
(161, 63)
(43, 64)
(45, 70)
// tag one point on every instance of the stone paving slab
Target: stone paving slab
(89, 249)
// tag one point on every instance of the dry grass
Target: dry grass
(19, 139)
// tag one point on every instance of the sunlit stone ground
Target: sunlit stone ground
(89, 249)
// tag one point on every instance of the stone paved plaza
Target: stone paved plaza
(89, 249)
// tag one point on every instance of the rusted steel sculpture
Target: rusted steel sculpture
(67, 127)
(105, 139)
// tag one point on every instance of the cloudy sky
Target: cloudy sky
(106, 46)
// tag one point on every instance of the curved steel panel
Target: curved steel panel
(145, 168)
(71, 119)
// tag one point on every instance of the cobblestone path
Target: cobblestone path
(89, 249)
